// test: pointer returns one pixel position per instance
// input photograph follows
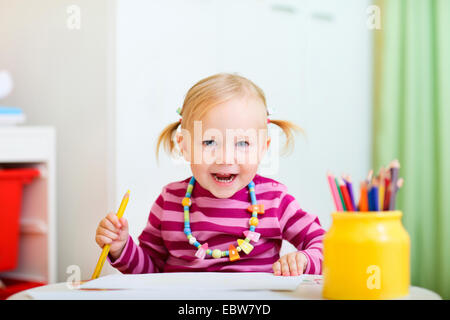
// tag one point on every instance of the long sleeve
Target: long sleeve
(150, 255)
(303, 230)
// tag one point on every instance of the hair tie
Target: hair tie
(179, 112)
(270, 111)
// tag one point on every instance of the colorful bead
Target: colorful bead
(259, 208)
(253, 236)
(201, 252)
(233, 254)
(217, 253)
(245, 246)
(192, 240)
(254, 221)
(186, 202)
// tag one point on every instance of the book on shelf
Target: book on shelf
(11, 116)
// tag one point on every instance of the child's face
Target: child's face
(229, 142)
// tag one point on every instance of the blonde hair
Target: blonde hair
(210, 92)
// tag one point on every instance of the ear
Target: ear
(263, 151)
(181, 145)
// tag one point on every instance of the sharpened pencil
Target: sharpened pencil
(334, 192)
(340, 194)
(349, 185)
(395, 166)
(105, 250)
(363, 199)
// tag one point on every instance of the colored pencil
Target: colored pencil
(348, 183)
(369, 177)
(394, 194)
(395, 166)
(373, 196)
(344, 208)
(345, 195)
(381, 189)
(363, 198)
(106, 247)
(387, 182)
(334, 192)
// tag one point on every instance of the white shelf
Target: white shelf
(33, 226)
(34, 147)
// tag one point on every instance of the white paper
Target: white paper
(163, 294)
(197, 280)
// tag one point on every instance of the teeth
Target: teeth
(224, 180)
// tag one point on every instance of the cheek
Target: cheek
(247, 172)
(200, 171)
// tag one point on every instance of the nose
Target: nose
(226, 155)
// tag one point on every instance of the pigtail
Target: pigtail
(166, 138)
(289, 128)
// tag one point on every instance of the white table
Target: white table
(303, 292)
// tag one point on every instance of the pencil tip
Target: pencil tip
(395, 164)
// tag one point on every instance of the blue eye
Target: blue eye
(208, 143)
(243, 144)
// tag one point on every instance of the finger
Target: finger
(108, 224)
(102, 240)
(284, 266)
(124, 223)
(292, 264)
(114, 219)
(107, 233)
(277, 268)
(301, 262)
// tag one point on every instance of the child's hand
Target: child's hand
(291, 264)
(113, 231)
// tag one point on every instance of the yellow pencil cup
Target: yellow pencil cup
(366, 256)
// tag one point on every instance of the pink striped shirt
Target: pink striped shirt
(163, 246)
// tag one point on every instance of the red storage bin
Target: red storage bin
(11, 186)
(14, 286)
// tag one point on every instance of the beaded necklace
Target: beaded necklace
(243, 244)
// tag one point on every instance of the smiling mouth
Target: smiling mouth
(224, 178)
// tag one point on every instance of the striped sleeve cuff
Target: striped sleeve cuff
(314, 263)
(122, 263)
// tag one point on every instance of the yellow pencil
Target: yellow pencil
(106, 247)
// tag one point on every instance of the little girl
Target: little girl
(225, 217)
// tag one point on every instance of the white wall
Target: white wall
(312, 59)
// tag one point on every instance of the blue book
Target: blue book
(10, 110)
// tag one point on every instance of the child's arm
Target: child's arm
(150, 255)
(303, 230)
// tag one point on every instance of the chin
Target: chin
(223, 194)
